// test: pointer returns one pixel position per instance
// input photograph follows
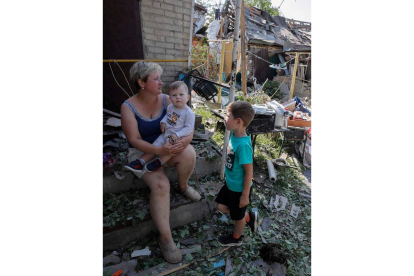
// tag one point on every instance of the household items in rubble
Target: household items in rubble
(279, 110)
(264, 119)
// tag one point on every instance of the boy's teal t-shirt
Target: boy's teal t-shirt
(239, 152)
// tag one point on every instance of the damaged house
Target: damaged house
(269, 38)
(156, 30)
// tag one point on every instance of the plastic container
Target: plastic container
(279, 110)
(285, 119)
(298, 115)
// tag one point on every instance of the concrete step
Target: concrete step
(111, 184)
(182, 210)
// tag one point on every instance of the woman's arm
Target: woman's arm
(130, 129)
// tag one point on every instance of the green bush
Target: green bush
(270, 87)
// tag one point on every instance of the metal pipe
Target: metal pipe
(152, 60)
(223, 46)
(213, 82)
(190, 41)
(233, 79)
(272, 171)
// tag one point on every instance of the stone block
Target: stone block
(184, 36)
(187, 11)
(180, 46)
(157, 50)
(174, 40)
(173, 14)
(156, 4)
(178, 9)
(178, 22)
(154, 37)
(187, 17)
(174, 2)
(167, 7)
(173, 28)
(148, 30)
(162, 45)
(164, 20)
(174, 52)
(152, 10)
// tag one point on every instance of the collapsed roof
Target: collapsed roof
(262, 28)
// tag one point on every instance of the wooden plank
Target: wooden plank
(243, 51)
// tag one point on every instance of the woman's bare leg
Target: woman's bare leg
(184, 163)
(160, 202)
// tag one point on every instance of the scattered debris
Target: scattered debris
(189, 241)
(126, 257)
(192, 249)
(295, 211)
(261, 264)
(217, 264)
(224, 218)
(283, 200)
(271, 204)
(229, 267)
(266, 223)
(272, 252)
(259, 177)
(305, 195)
(142, 252)
(119, 175)
(115, 122)
(111, 259)
(126, 267)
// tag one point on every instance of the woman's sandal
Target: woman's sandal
(170, 252)
(192, 194)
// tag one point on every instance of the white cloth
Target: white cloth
(178, 121)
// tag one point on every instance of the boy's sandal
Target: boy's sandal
(192, 194)
(170, 252)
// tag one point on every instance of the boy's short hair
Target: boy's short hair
(177, 84)
(243, 110)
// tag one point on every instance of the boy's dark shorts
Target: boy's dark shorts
(232, 199)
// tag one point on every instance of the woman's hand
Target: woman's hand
(178, 146)
(167, 149)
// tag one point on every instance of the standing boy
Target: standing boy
(235, 195)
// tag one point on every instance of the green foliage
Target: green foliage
(201, 53)
(254, 98)
(270, 87)
(265, 5)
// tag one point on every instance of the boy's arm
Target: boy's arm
(248, 175)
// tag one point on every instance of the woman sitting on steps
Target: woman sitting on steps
(141, 115)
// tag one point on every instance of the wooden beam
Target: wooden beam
(295, 69)
(243, 51)
(223, 47)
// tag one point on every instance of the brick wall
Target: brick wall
(165, 34)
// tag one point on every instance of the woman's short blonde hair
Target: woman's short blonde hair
(142, 69)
